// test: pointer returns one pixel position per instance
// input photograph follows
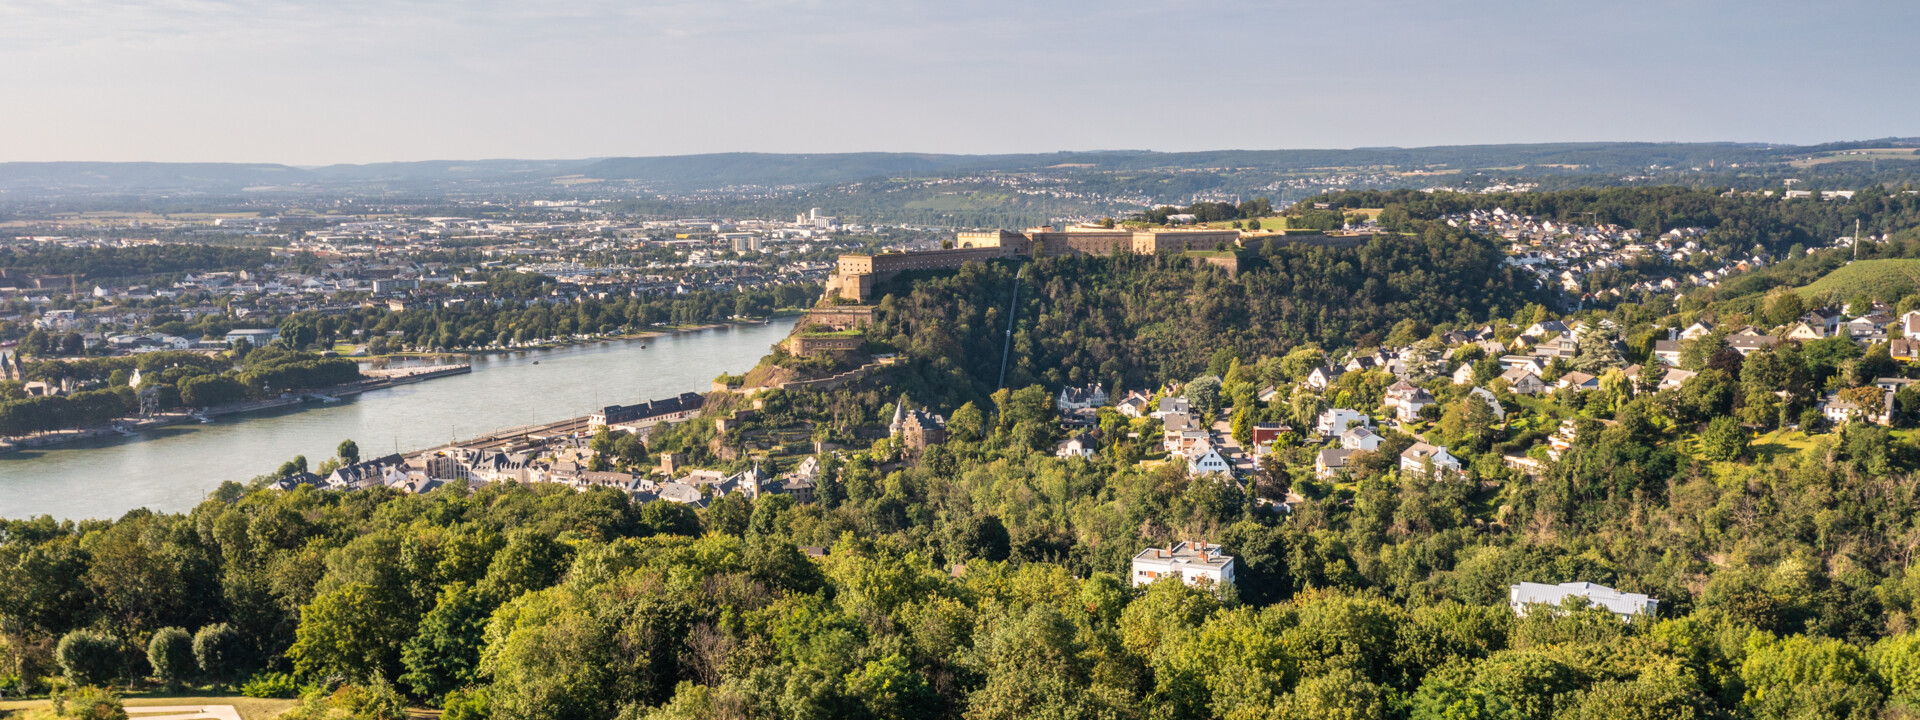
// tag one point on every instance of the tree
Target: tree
(348, 451)
(1696, 353)
(1301, 361)
(1242, 425)
(211, 390)
(967, 423)
(445, 654)
(981, 536)
(220, 652)
(351, 632)
(629, 450)
(88, 657)
(1801, 676)
(1342, 694)
(892, 690)
(1724, 440)
(1597, 351)
(1203, 393)
(170, 654)
(1783, 306)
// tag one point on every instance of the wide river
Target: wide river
(172, 469)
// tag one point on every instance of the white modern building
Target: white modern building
(1335, 421)
(1525, 595)
(1191, 562)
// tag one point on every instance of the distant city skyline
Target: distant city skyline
(304, 82)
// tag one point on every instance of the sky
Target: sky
(311, 82)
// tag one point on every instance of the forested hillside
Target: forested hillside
(1784, 595)
(1132, 320)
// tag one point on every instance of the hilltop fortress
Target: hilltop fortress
(832, 324)
(855, 276)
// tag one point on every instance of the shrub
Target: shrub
(270, 685)
(92, 703)
(470, 704)
(87, 657)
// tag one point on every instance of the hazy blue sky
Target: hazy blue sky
(321, 81)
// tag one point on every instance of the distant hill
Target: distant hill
(145, 175)
(783, 169)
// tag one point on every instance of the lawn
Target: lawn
(249, 708)
(1862, 155)
(1271, 222)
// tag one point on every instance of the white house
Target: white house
(1330, 461)
(1406, 400)
(1360, 437)
(1525, 595)
(1463, 375)
(1335, 420)
(1206, 461)
(1323, 377)
(255, 337)
(1080, 445)
(1194, 563)
(1416, 458)
(1081, 398)
(1521, 381)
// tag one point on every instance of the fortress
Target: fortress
(826, 327)
(855, 276)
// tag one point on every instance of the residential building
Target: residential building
(1526, 596)
(257, 337)
(1360, 437)
(1193, 562)
(1331, 461)
(1081, 398)
(1207, 460)
(1172, 405)
(1578, 381)
(1334, 421)
(1081, 445)
(1521, 381)
(1417, 458)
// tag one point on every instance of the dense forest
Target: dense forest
(1783, 588)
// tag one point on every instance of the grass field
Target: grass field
(1858, 156)
(249, 708)
(1884, 279)
(1271, 222)
(1780, 442)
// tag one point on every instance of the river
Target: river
(172, 469)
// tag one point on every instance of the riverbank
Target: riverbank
(589, 340)
(173, 469)
(130, 427)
